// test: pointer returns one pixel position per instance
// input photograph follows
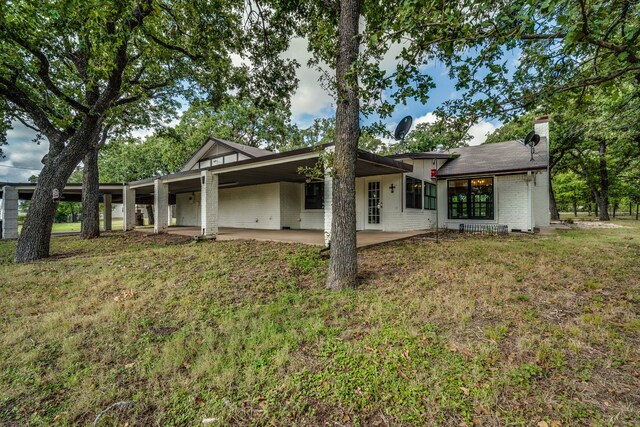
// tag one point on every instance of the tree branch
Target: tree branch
(174, 48)
(43, 72)
(27, 124)
(543, 36)
(40, 119)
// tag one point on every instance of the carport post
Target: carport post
(107, 211)
(9, 213)
(328, 215)
(209, 182)
(129, 201)
(161, 206)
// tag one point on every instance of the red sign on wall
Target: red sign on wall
(434, 173)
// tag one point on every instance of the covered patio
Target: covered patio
(275, 169)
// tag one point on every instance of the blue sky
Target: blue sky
(23, 156)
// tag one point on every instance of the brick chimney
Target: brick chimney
(541, 126)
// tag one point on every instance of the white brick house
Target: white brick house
(488, 184)
(226, 184)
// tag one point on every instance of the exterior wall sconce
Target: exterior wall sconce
(392, 188)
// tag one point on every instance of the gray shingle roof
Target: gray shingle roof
(247, 149)
(507, 156)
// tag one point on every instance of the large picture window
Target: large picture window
(314, 195)
(430, 199)
(413, 193)
(471, 198)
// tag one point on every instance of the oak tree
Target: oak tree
(70, 68)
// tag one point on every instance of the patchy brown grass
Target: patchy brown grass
(514, 330)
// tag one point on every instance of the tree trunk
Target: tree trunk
(90, 196)
(615, 208)
(603, 197)
(343, 266)
(596, 210)
(150, 215)
(575, 208)
(637, 210)
(553, 206)
(35, 237)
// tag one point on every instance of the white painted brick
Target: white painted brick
(9, 213)
(129, 208)
(107, 211)
(328, 212)
(209, 213)
(161, 206)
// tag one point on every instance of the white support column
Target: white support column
(328, 202)
(530, 179)
(160, 206)
(9, 213)
(129, 208)
(209, 182)
(106, 201)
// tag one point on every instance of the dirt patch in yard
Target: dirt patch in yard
(595, 224)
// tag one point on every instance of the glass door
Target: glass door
(374, 204)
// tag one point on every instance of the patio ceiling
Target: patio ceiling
(72, 192)
(277, 167)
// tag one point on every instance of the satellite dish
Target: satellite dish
(403, 128)
(529, 138)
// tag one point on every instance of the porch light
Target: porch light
(392, 188)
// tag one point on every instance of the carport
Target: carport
(12, 193)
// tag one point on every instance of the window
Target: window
(471, 198)
(430, 199)
(314, 195)
(413, 193)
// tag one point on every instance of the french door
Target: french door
(374, 205)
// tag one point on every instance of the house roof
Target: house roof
(276, 167)
(247, 150)
(501, 157)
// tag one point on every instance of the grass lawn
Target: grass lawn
(520, 330)
(74, 227)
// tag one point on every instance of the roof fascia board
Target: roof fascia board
(496, 172)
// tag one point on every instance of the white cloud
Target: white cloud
(23, 157)
(479, 132)
(310, 98)
(427, 118)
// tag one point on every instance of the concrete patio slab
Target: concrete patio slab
(308, 237)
